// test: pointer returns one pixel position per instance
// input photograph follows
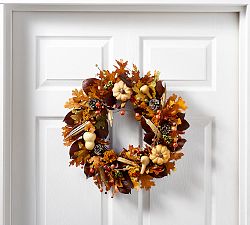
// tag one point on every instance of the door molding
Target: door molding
(6, 11)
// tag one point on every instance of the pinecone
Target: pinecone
(99, 149)
(167, 138)
(165, 129)
(154, 104)
(92, 103)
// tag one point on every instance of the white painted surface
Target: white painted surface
(171, 2)
(45, 190)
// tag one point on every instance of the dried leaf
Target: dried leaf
(78, 100)
(146, 181)
(169, 166)
(181, 103)
(160, 89)
(136, 74)
(89, 127)
(95, 161)
(126, 80)
(75, 147)
(87, 83)
(68, 120)
(153, 127)
(176, 155)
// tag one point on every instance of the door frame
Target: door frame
(6, 12)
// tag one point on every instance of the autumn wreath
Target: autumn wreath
(88, 122)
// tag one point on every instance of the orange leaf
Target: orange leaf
(176, 155)
(170, 166)
(146, 181)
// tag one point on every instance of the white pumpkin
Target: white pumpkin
(89, 145)
(89, 139)
(88, 136)
(160, 154)
(121, 91)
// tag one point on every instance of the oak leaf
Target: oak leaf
(146, 181)
(176, 155)
(169, 166)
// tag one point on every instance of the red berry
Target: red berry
(91, 170)
(122, 112)
(101, 190)
(175, 145)
(158, 111)
(112, 166)
(97, 112)
(98, 104)
(158, 117)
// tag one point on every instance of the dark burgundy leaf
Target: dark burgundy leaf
(87, 170)
(75, 148)
(145, 126)
(183, 126)
(138, 110)
(181, 143)
(68, 120)
(126, 80)
(109, 99)
(148, 138)
(102, 132)
(127, 184)
(159, 89)
(124, 190)
(160, 175)
(181, 115)
(86, 84)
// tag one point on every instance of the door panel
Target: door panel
(197, 56)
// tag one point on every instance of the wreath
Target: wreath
(87, 129)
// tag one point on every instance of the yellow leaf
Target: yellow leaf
(181, 103)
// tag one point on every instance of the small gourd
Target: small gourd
(121, 91)
(160, 154)
(144, 162)
(89, 139)
(89, 145)
(145, 90)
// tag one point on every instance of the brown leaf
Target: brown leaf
(183, 126)
(126, 80)
(146, 181)
(86, 84)
(75, 147)
(136, 74)
(176, 155)
(170, 166)
(109, 99)
(159, 89)
(148, 137)
(68, 120)
(145, 126)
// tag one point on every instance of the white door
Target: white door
(197, 56)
